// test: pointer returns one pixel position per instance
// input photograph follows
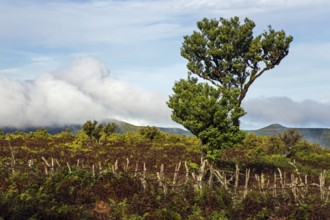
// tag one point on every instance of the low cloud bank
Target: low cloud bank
(86, 90)
(285, 111)
(81, 92)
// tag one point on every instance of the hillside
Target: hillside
(314, 135)
(123, 127)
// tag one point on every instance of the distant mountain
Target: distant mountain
(123, 127)
(314, 135)
(50, 129)
(174, 131)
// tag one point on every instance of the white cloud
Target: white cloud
(83, 91)
(285, 111)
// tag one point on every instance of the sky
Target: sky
(68, 61)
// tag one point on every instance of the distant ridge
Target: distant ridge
(270, 130)
(314, 135)
(275, 127)
(123, 127)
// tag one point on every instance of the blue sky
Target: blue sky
(70, 61)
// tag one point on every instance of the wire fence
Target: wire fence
(238, 182)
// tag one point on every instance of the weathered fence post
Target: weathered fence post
(30, 163)
(236, 177)
(68, 165)
(136, 169)
(247, 178)
(201, 171)
(161, 179)
(100, 166)
(143, 178)
(52, 167)
(47, 164)
(261, 179)
(222, 178)
(282, 179)
(187, 173)
(293, 185)
(322, 185)
(210, 182)
(275, 185)
(13, 161)
(126, 167)
(176, 173)
(115, 167)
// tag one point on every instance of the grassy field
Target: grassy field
(154, 175)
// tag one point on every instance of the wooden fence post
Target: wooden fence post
(100, 166)
(187, 173)
(247, 178)
(176, 173)
(126, 167)
(143, 178)
(201, 171)
(52, 163)
(293, 185)
(115, 167)
(136, 169)
(236, 177)
(30, 163)
(282, 179)
(47, 165)
(68, 165)
(161, 179)
(210, 182)
(322, 185)
(275, 185)
(13, 161)
(221, 178)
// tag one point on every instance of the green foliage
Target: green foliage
(150, 133)
(225, 53)
(208, 112)
(109, 128)
(290, 138)
(95, 131)
(228, 54)
(91, 129)
(275, 145)
(41, 133)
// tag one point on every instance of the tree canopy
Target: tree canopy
(207, 112)
(94, 130)
(227, 54)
